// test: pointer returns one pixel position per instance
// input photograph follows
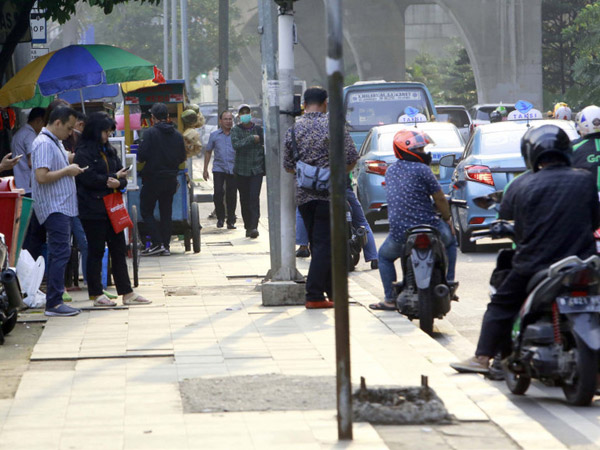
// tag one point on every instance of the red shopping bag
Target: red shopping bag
(117, 212)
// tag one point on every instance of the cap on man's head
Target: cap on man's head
(160, 111)
(244, 106)
(315, 96)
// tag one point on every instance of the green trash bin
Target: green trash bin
(26, 212)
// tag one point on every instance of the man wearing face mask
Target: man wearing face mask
(249, 167)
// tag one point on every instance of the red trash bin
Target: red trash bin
(11, 203)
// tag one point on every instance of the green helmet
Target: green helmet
(502, 111)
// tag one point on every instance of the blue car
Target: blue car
(377, 153)
(492, 158)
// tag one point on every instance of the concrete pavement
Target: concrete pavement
(111, 378)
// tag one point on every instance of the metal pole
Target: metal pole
(184, 45)
(166, 38)
(287, 213)
(223, 55)
(270, 101)
(174, 58)
(339, 230)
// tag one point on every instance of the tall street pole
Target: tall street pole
(185, 60)
(337, 207)
(174, 39)
(166, 38)
(223, 91)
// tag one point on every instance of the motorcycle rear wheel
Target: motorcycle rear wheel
(583, 389)
(426, 303)
(9, 324)
(517, 384)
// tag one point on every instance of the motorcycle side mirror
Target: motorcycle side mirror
(489, 201)
(448, 161)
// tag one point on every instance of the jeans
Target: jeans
(500, 314)
(391, 250)
(100, 232)
(82, 244)
(359, 220)
(58, 227)
(249, 188)
(301, 233)
(225, 187)
(315, 215)
(162, 191)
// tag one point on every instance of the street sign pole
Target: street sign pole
(339, 229)
(166, 38)
(223, 100)
(174, 56)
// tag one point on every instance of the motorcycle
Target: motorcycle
(10, 293)
(425, 294)
(556, 336)
(357, 239)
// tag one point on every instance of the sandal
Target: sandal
(103, 300)
(136, 299)
(381, 306)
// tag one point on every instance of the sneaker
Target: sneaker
(375, 264)
(154, 250)
(303, 252)
(220, 223)
(231, 226)
(62, 310)
(318, 304)
(166, 252)
(471, 365)
(253, 234)
(247, 233)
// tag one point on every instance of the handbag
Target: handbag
(117, 212)
(309, 176)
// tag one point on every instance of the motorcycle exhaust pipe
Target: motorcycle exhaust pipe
(9, 280)
(441, 291)
(361, 235)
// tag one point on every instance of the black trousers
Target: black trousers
(225, 187)
(249, 188)
(315, 215)
(100, 232)
(162, 191)
(500, 315)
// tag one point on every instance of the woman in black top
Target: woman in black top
(103, 175)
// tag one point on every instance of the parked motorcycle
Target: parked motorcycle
(425, 294)
(357, 239)
(556, 336)
(10, 293)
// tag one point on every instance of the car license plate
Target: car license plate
(570, 305)
(435, 168)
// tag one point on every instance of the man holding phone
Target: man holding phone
(55, 195)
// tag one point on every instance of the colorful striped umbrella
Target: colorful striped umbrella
(76, 67)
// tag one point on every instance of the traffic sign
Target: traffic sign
(37, 52)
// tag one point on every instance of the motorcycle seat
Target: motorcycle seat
(536, 279)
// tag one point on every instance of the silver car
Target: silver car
(377, 153)
(211, 124)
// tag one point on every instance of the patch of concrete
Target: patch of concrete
(271, 392)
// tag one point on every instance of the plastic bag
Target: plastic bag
(30, 275)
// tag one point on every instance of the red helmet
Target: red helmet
(406, 142)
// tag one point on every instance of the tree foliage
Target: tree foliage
(450, 80)
(140, 30)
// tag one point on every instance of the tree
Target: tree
(59, 10)
(584, 32)
(140, 30)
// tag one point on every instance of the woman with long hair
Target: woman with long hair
(104, 173)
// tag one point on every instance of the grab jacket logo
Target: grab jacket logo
(593, 159)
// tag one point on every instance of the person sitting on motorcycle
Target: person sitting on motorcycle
(585, 149)
(410, 185)
(549, 226)
(495, 116)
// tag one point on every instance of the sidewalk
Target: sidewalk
(112, 379)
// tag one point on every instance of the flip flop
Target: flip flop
(381, 306)
(136, 299)
(109, 295)
(103, 300)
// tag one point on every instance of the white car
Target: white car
(211, 124)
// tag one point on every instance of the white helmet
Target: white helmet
(589, 120)
(563, 113)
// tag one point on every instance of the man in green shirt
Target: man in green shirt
(249, 167)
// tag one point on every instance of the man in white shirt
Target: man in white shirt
(21, 146)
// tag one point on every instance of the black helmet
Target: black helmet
(542, 141)
(495, 116)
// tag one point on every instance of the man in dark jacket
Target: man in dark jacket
(163, 150)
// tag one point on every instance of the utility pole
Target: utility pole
(282, 287)
(174, 58)
(184, 46)
(337, 208)
(223, 91)
(166, 38)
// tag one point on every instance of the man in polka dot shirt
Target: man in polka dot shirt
(410, 185)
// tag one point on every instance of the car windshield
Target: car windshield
(368, 108)
(443, 138)
(458, 118)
